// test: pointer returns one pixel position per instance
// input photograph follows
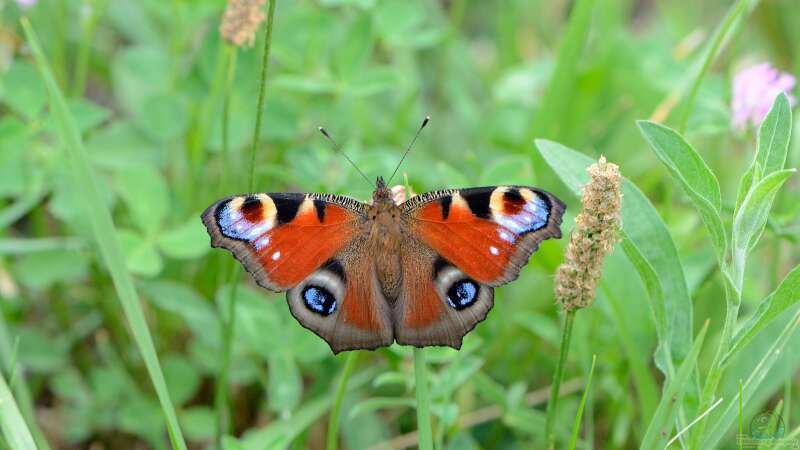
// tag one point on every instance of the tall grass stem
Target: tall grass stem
(332, 440)
(558, 376)
(105, 234)
(423, 400)
(576, 427)
(230, 323)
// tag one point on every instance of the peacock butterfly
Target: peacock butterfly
(363, 275)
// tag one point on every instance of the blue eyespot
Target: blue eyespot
(462, 294)
(319, 300)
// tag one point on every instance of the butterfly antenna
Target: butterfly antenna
(408, 149)
(339, 149)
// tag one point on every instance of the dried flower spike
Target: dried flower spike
(241, 21)
(596, 231)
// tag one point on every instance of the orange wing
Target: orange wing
(489, 233)
(282, 238)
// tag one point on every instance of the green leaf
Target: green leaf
(648, 244)
(285, 386)
(163, 116)
(553, 111)
(15, 430)
(772, 146)
(187, 241)
(146, 195)
(773, 136)
(182, 378)
(41, 270)
(21, 89)
(200, 423)
(784, 297)
(658, 431)
(184, 301)
(141, 256)
(688, 167)
(751, 218)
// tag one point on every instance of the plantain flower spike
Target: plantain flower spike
(241, 20)
(596, 231)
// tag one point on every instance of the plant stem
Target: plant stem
(717, 368)
(333, 420)
(423, 401)
(230, 323)
(261, 92)
(577, 425)
(552, 405)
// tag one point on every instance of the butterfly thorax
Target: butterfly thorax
(385, 236)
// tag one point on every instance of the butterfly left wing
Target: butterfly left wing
(282, 238)
(461, 244)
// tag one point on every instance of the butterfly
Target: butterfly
(363, 275)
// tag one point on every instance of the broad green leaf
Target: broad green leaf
(162, 116)
(141, 256)
(146, 195)
(285, 386)
(187, 241)
(648, 244)
(199, 422)
(40, 270)
(15, 431)
(658, 431)
(751, 218)
(688, 167)
(784, 297)
(182, 378)
(184, 301)
(21, 90)
(773, 136)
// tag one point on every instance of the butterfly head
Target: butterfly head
(382, 194)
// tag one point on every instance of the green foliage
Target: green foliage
(112, 142)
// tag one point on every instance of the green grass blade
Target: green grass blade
(659, 429)
(577, 425)
(555, 105)
(697, 179)
(649, 246)
(727, 418)
(15, 431)
(105, 235)
(332, 440)
(735, 13)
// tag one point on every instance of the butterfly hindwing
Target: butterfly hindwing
(488, 233)
(343, 303)
(282, 238)
(438, 303)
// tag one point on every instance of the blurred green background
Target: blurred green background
(145, 82)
